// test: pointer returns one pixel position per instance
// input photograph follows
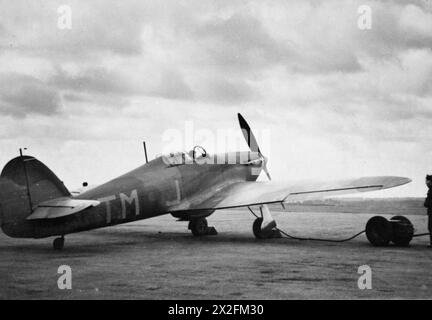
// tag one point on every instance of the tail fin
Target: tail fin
(25, 182)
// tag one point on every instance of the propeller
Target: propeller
(252, 142)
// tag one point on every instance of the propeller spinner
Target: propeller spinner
(252, 142)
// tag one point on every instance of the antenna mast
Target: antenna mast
(145, 151)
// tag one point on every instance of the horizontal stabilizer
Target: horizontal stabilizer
(60, 207)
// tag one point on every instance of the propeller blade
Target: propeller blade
(248, 135)
(252, 142)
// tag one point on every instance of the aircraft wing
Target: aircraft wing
(242, 194)
(60, 207)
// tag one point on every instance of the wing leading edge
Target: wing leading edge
(242, 194)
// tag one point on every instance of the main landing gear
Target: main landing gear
(264, 227)
(199, 227)
(58, 243)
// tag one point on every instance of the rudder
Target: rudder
(15, 203)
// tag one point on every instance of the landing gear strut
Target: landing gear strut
(264, 227)
(199, 227)
(58, 243)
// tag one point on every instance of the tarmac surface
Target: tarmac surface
(160, 259)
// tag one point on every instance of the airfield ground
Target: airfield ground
(160, 259)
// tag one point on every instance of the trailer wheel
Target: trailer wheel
(379, 231)
(403, 231)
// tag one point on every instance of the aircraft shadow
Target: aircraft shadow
(111, 240)
(247, 239)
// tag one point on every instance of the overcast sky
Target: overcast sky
(326, 98)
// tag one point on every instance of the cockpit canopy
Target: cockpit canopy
(182, 157)
(177, 158)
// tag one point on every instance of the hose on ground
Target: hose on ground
(320, 239)
(312, 239)
(326, 240)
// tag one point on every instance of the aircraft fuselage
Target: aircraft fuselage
(146, 192)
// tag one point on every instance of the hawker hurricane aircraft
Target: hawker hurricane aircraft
(190, 186)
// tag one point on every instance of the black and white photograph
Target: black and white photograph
(234, 152)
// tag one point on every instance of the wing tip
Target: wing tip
(405, 180)
(395, 182)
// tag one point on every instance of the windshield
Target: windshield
(177, 158)
(180, 158)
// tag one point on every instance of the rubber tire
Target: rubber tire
(379, 231)
(198, 227)
(256, 228)
(58, 243)
(402, 232)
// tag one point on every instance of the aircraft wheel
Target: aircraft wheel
(259, 234)
(256, 228)
(199, 227)
(379, 231)
(403, 231)
(58, 243)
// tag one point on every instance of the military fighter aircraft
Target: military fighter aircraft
(190, 186)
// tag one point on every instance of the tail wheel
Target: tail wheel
(379, 231)
(58, 243)
(199, 227)
(403, 231)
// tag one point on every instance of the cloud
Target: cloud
(396, 27)
(172, 86)
(22, 95)
(226, 91)
(240, 42)
(302, 68)
(97, 82)
(102, 26)
(94, 80)
(416, 23)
